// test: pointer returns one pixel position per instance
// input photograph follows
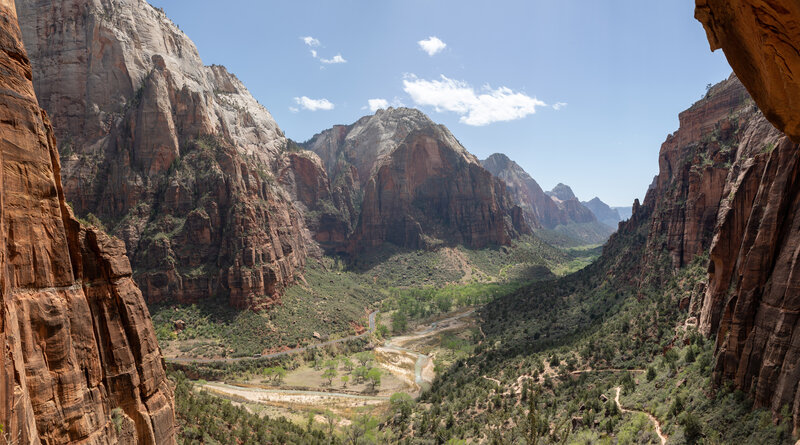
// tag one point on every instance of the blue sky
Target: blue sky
(619, 72)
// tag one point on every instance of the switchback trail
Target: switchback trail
(652, 418)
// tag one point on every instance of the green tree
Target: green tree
(330, 374)
(345, 378)
(374, 377)
(402, 404)
(399, 321)
(651, 373)
(364, 357)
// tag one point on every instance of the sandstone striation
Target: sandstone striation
(415, 185)
(81, 363)
(752, 302)
(174, 157)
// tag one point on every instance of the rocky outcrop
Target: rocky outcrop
(570, 206)
(174, 157)
(80, 362)
(752, 302)
(603, 212)
(761, 39)
(415, 185)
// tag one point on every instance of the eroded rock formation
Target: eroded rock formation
(761, 39)
(415, 185)
(80, 362)
(174, 157)
(753, 299)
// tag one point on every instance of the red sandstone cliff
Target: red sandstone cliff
(175, 157)
(80, 362)
(753, 298)
(415, 185)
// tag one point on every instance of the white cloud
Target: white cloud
(314, 53)
(432, 45)
(377, 104)
(313, 104)
(559, 106)
(336, 59)
(493, 105)
(310, 41)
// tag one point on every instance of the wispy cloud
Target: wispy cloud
(476, 109)
(313, 104)
(310, 41)
(432, 45)
(313, 43)
(559, 106)
(335, 60)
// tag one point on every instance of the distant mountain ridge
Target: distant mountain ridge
(557, 209)
(603, 212)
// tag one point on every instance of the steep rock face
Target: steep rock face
(752, 299)
(761, 39)
(415, 185)
(176, 158)
(603, 212)
(539, 209)
(693, 168)
(81, 363)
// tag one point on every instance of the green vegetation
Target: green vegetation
(206, 419)
(335, 296)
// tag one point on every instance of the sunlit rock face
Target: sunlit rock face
(176, 158)
(415, 185)
(80, 362)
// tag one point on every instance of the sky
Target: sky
(576, 91)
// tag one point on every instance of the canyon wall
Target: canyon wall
(174, 157)
(753, 298)
(80, 362)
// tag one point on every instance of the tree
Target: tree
(330, 364)
(345, 378)
(690, 355)
(651, 373)
(374, 376)
(363, 426)
(402, 404)
(330, 419)
(399, 321)
(347, 364)
(364, 357)
(330, 374)
(279, 374)
(360, 373)
(692, 429)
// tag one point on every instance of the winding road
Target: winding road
(189, 360)
(652, 418)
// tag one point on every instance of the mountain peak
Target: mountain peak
(562, 192)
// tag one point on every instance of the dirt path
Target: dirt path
(493, 380)
(652, 418)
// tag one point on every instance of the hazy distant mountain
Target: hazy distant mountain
(603, 212)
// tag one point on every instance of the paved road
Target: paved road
(189, 360)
